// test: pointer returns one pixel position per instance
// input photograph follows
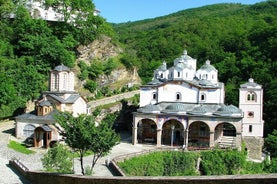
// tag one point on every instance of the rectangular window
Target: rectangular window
(250, 128)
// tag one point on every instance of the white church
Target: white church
(40, 123)
(184, 106)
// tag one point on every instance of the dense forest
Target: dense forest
(31, 47)
(240, 40)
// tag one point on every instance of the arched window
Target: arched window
(154, 96)
(202, 97)
(178, 96)
(29, 130)
(251, 96)
(64, 81)
(178, 74)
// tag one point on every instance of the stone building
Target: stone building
(39, 124)
(183, 106)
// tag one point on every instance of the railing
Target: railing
(19, 166)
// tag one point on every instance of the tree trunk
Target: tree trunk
(82, 164)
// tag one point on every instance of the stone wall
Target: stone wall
(46, 178)
(112, 99)
(254, 146)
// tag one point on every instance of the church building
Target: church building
(39, 124)
(183, 106)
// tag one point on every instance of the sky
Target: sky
(119, 11)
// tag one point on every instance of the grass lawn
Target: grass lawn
(19, 148)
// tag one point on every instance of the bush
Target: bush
(219, 162)
(161, 164)
(91, 85)
(58, 159)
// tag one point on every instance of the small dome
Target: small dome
(228, 110)
(208, 67)
(163, 67)
(149, 108)
(205, 83)
(176, 108)
(154, 82)
(199, 110)
(61, 68)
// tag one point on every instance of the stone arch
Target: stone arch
(225, 129)
(147, 131)
(199, 134)
(173, 132)
(225, 134)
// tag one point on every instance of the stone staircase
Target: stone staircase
(227, 142)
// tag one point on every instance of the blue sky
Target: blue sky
(118, 11)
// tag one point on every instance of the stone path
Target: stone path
(33, 162)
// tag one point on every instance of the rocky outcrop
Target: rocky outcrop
(100, 49)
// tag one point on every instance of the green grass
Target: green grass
(19, 148)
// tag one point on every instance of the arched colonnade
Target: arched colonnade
(183, 131)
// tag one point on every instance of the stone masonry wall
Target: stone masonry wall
(254, 147)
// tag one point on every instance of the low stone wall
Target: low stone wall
(112, 99)
(46, 178)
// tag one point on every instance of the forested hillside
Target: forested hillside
(240, 40)
(30, 47)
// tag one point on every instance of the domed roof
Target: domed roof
(61, 68)
(176, 108)
(228, 110)
(154, 82)
(205, 83)
(181, 65)
(199, 110)
(162, 67)
(208, 67)
(149, 109)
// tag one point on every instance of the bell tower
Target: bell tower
(251, 103)
(61, 79)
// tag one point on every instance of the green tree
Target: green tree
(58, 159)
(82, 134)
(271, 143)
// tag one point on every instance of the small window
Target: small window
(178, 74)
(202, 97)
(178, 96)
(162, 75)
(154, 96)
(250, 128)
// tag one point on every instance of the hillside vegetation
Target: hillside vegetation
(240, 40)
(30, 48)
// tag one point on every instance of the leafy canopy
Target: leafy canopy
(83, 134)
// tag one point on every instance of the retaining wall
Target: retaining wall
(46, 178)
